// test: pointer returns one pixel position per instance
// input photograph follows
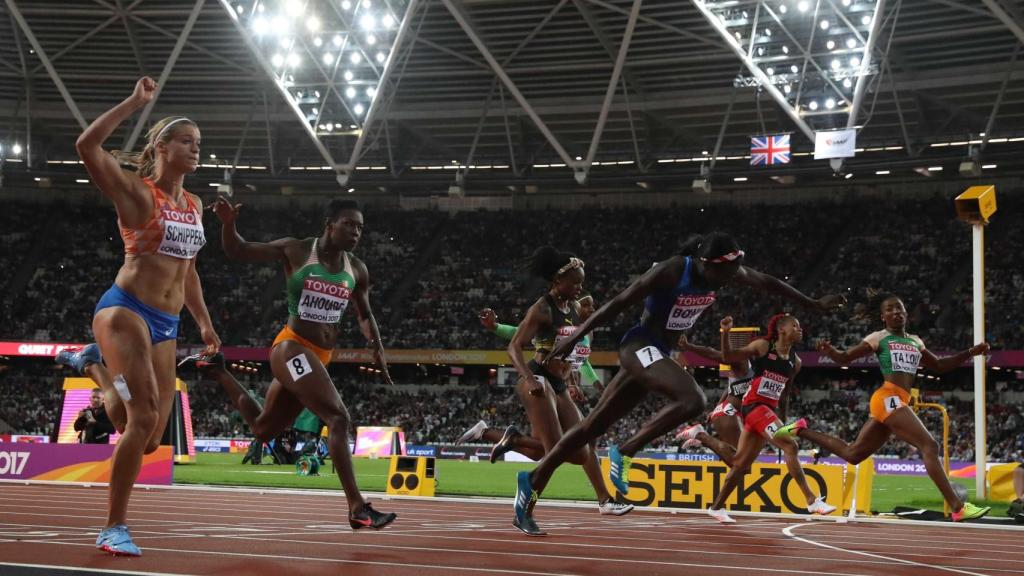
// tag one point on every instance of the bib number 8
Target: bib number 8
(298, 366)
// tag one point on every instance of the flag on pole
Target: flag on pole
(769, 150)
(835, 144)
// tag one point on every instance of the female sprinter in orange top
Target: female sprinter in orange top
(136, 320)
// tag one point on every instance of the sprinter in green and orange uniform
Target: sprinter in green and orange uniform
(323, 278)
(899, 354)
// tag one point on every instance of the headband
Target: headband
(169, 124)
(730, 257)
(573, 264)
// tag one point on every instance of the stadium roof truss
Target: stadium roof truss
(404, 88)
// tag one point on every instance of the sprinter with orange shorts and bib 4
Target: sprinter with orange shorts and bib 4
(899, 355)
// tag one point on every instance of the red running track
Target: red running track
(217, 531)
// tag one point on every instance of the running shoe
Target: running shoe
(970, 512)
(202, 362)
(505, 444)
(78, 358)
(473, 434)
(117, 541)
(689, 433)
(1016, 507)
(1019, 518)
(370, 518)
(618, 471)
(791, 430)
(721, 515)
(525, 500)
(614, 508)
(694, 443)
(819, 506)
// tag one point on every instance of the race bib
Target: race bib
(724, 409)
(183, 234)
(323, 302)
(739, 387)
(892, 403)
(579, 356)
(574, 358)
(904, 357)
(648, 355)
(771, 385)
(687, 309)
(298, 367)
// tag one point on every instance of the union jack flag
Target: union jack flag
(769, 150)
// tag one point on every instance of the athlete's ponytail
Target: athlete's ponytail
(772, 333)
(547, 262)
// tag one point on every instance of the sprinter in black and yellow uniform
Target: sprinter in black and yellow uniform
(543, 389)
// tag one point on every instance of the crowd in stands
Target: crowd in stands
(30, 395)
(429, 298)
(431, 272)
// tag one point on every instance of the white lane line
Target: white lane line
(789, 532)
(277, 557)
(84, 569)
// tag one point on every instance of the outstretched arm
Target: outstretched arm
(708, 352)
(844, 357)
(663, 274)
(238, 248)
(943, 365)
(772, 285)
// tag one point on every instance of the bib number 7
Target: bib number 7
(648, 355)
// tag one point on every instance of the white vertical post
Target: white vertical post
(980, 438)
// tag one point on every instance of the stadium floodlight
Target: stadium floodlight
(338, 51)
(827, 55)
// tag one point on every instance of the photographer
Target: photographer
(93, 424)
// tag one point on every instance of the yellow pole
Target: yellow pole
(917, 405)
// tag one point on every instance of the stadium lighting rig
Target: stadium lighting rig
(329, 59)
(814, 57)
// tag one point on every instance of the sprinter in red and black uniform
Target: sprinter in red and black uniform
(775, 364)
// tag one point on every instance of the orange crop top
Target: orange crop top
(170, 231)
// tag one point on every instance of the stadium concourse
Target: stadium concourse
(268, 265)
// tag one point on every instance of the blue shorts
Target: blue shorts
(639, 331)
(162, 326)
